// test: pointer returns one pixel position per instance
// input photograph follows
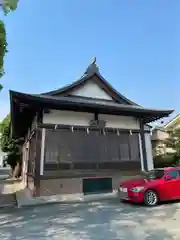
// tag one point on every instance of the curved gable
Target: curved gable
(92, 85)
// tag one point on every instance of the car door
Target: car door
(172, 184)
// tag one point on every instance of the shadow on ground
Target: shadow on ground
(98, 220)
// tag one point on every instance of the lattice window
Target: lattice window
(82, 149)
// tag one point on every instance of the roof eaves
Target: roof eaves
(68, 86)
(85, 78)
(115, 91)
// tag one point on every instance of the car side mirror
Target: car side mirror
(167, 178)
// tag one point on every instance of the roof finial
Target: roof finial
(94, 60)
(92, 68)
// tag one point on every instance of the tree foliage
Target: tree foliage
(172, 158)
(8, 144)
(7, 6)
(3, 48)
(174, 140)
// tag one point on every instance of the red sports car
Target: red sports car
(161, 184)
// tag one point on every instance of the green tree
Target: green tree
(3, 48)
(8, 144)
(174, 143)
(7, 6)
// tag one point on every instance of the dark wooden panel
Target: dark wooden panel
(85, 165)
(80, 149)
(50, 166)
(121, 165)
(37, 161)
(134, 147)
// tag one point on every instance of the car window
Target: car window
(154, 174)
(173, 174)
(178, 173)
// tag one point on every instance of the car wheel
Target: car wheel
(151, 198)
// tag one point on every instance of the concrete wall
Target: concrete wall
(60, 186)
(75, 185)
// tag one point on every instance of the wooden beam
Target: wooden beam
(63, 126)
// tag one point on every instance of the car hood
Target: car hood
(135, 182)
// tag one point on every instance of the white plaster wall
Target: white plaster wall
(92, 90)
(83, 119)
(150, 163)
(123, 122)
(68, 118)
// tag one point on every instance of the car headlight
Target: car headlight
(137, 189)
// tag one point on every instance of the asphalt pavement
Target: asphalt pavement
(4, 173)
(91, 221)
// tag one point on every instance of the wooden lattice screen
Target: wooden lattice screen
(83, 149)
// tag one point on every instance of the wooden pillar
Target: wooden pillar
(143, 144)
(37, 162)
(42, 151)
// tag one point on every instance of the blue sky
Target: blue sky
(136, 42)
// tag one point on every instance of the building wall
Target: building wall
(82, 119)
(92, 90)
(158, 139)
(60, 186)
(68, 118)
(123, 122)
(158, 134)
(57, 186)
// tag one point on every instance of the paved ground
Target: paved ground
(4, 172)
(7, 197)
(99, 220)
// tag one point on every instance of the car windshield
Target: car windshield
(154, 174)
